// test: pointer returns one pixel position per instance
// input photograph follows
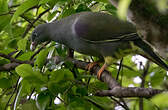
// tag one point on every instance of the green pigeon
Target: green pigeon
(96, 34)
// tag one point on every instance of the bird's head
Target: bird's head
(39, 35)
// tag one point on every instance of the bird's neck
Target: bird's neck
(55, 32)
(62, 31)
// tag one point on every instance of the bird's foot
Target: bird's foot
(91, 65)
(99, 73)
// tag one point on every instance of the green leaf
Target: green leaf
(23, 7)
(24, 70)
(29, 105)
(41, 58)
(123, 8)
(59, 87)
(110, 8)
(82, 7)
(79, 103)
(160, 100)
(5, 83)
(104, 1)
(4, 20)
(3, 61)
(3, 6)
(158, 77)
(42, 100)
(67, 12)
(25, 56)
(27, 73)
(58, 75)
(43, 2)
(22, 44)
(103, 102)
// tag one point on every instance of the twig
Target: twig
(14, 6)
(12, 59)
(12, 94)
(119, 103)
(42, 47)
(120, 65)
(31, 94)
(145, 72)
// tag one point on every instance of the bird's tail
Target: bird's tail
(151, 54)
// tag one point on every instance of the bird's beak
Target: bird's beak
(33, 46)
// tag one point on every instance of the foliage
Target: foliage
(47, 86)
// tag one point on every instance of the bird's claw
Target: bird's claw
(91, 65)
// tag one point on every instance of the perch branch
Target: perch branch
(115, 88)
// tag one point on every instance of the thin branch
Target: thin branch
(120, 65)
(145, 72)
(8, 67)
(12, 59)
(14, 6)
(42, 47)
(119, 103)
(12, 94)
(31, 94)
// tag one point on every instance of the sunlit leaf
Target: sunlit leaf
(161, 100)
(23, 7)
(123, 8)
(22, 44)
(41, 58)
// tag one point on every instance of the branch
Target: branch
(12, 59)
(8, 67)
(124, 92)
(115, 88)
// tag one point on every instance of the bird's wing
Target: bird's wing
(101, 27)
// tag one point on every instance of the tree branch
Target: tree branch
(115, 88)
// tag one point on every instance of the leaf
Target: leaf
(103, 102)
(58, 75)
(79, 103)
(67, 12)
(3, 6)
(82, 7)
(5, 83)
(22, 44)
(41, 58)
(104, 1)
(24, 70)
(158, 77)
(160, 100)
(51, 15)
(42, 100)
(123, 8)
(25, 56)
(27, 73)
(4, 20)
(60, 87)
(29, 105)
(110, 8)
(23, 7)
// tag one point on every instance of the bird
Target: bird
(97, 34)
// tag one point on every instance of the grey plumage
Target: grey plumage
(97, 34)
